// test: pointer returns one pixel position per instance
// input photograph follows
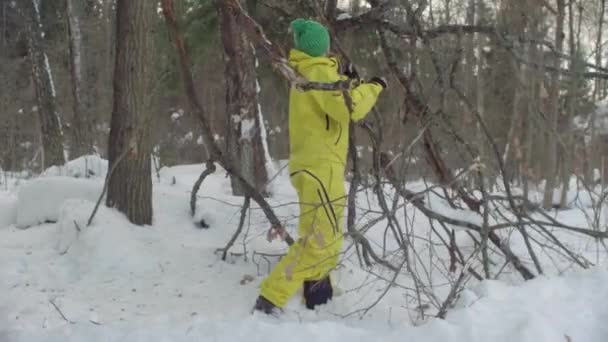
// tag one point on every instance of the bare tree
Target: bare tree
(243, 139)
(554, 110)
(598, 47)
(81, 134)
(50, 126)
(130, 186)
(593, 155)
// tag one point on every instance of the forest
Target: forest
(145, 154)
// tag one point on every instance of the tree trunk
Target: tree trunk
(515, 128)
(50, 126)
(598, 48)
(331, 7)
(469, 71)
(532, 79)
(479, 88)
(598, 92)
(81, 133)
(244, 143)
(567, 148)
(130, 186)
(551, 164)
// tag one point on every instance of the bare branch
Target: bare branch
(239, 229)
(209, 169)
(215, 151)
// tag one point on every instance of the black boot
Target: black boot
(317, 292)
(264, 305)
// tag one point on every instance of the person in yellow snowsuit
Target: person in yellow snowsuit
(318, 136)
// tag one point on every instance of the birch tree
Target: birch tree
(81, 134)
(244, 142)
(50, 125)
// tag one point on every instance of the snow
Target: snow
(40, 200)
(8, 209)
(82, 167)
(165, 282)
(271, 171)
(186, 138)
(247, 128)
(343, 16)
(47, 67)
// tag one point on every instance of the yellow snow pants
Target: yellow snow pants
(322, 200)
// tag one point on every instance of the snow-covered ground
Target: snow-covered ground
(63, 281)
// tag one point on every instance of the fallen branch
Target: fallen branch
(451, 298)
(60, 313)
(105, 185)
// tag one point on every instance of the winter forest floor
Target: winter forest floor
(112, 281)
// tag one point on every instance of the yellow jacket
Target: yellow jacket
(319, 119)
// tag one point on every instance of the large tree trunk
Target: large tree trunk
(50, 126)
(82, 139)
(551, 162)
(243, 138)
(130, 186)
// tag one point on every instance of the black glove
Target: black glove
(350, 71)
(381, 81)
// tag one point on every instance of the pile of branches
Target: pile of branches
(487, 218)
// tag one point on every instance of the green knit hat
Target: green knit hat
(310, 37)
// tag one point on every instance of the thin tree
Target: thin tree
(598, 47)
(81, 134)
(551, 146)
(243, 139)
(130, 185)
(50, 126)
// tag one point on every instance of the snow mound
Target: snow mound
(111, 245)
(83, 167)
(40, 200)
(8, 210)
(73, 217)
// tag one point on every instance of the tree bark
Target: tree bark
(82, 142)
(469, 72)
(50, 126)
(598, 91)
(533, 79)
(598, 47)
(480, 88)
(551, 164)
(130, 187)
(331, 7)
(243, 137)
